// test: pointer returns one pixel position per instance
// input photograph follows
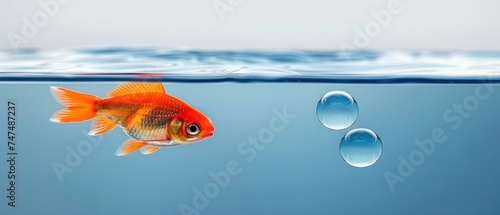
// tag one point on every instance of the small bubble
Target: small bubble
(337, 110)
(361, 147)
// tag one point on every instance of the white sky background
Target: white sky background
(256, 24)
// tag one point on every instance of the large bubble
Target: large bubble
(361, 147)
(337, 110)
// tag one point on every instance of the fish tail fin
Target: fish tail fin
(79, 106)
(129, 146)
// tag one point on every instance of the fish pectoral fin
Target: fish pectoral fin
(137, 87)
(149, 149)
(101, 125)
(129, 146)
(135, 120)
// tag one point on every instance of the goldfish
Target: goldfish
(146, 113)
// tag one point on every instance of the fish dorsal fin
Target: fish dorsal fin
(137, 87)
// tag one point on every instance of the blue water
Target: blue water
(174, 65)
(436, 114)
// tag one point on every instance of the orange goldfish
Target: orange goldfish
(147, 114)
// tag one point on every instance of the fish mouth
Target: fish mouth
(209, 134)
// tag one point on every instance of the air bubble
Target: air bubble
(361, 147)
(337, 110)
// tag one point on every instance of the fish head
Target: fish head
(190, 126)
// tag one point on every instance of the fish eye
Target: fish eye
(193, 129)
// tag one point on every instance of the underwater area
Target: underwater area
(296, 132)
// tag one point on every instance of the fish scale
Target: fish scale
(143, 116)
(151, 128)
